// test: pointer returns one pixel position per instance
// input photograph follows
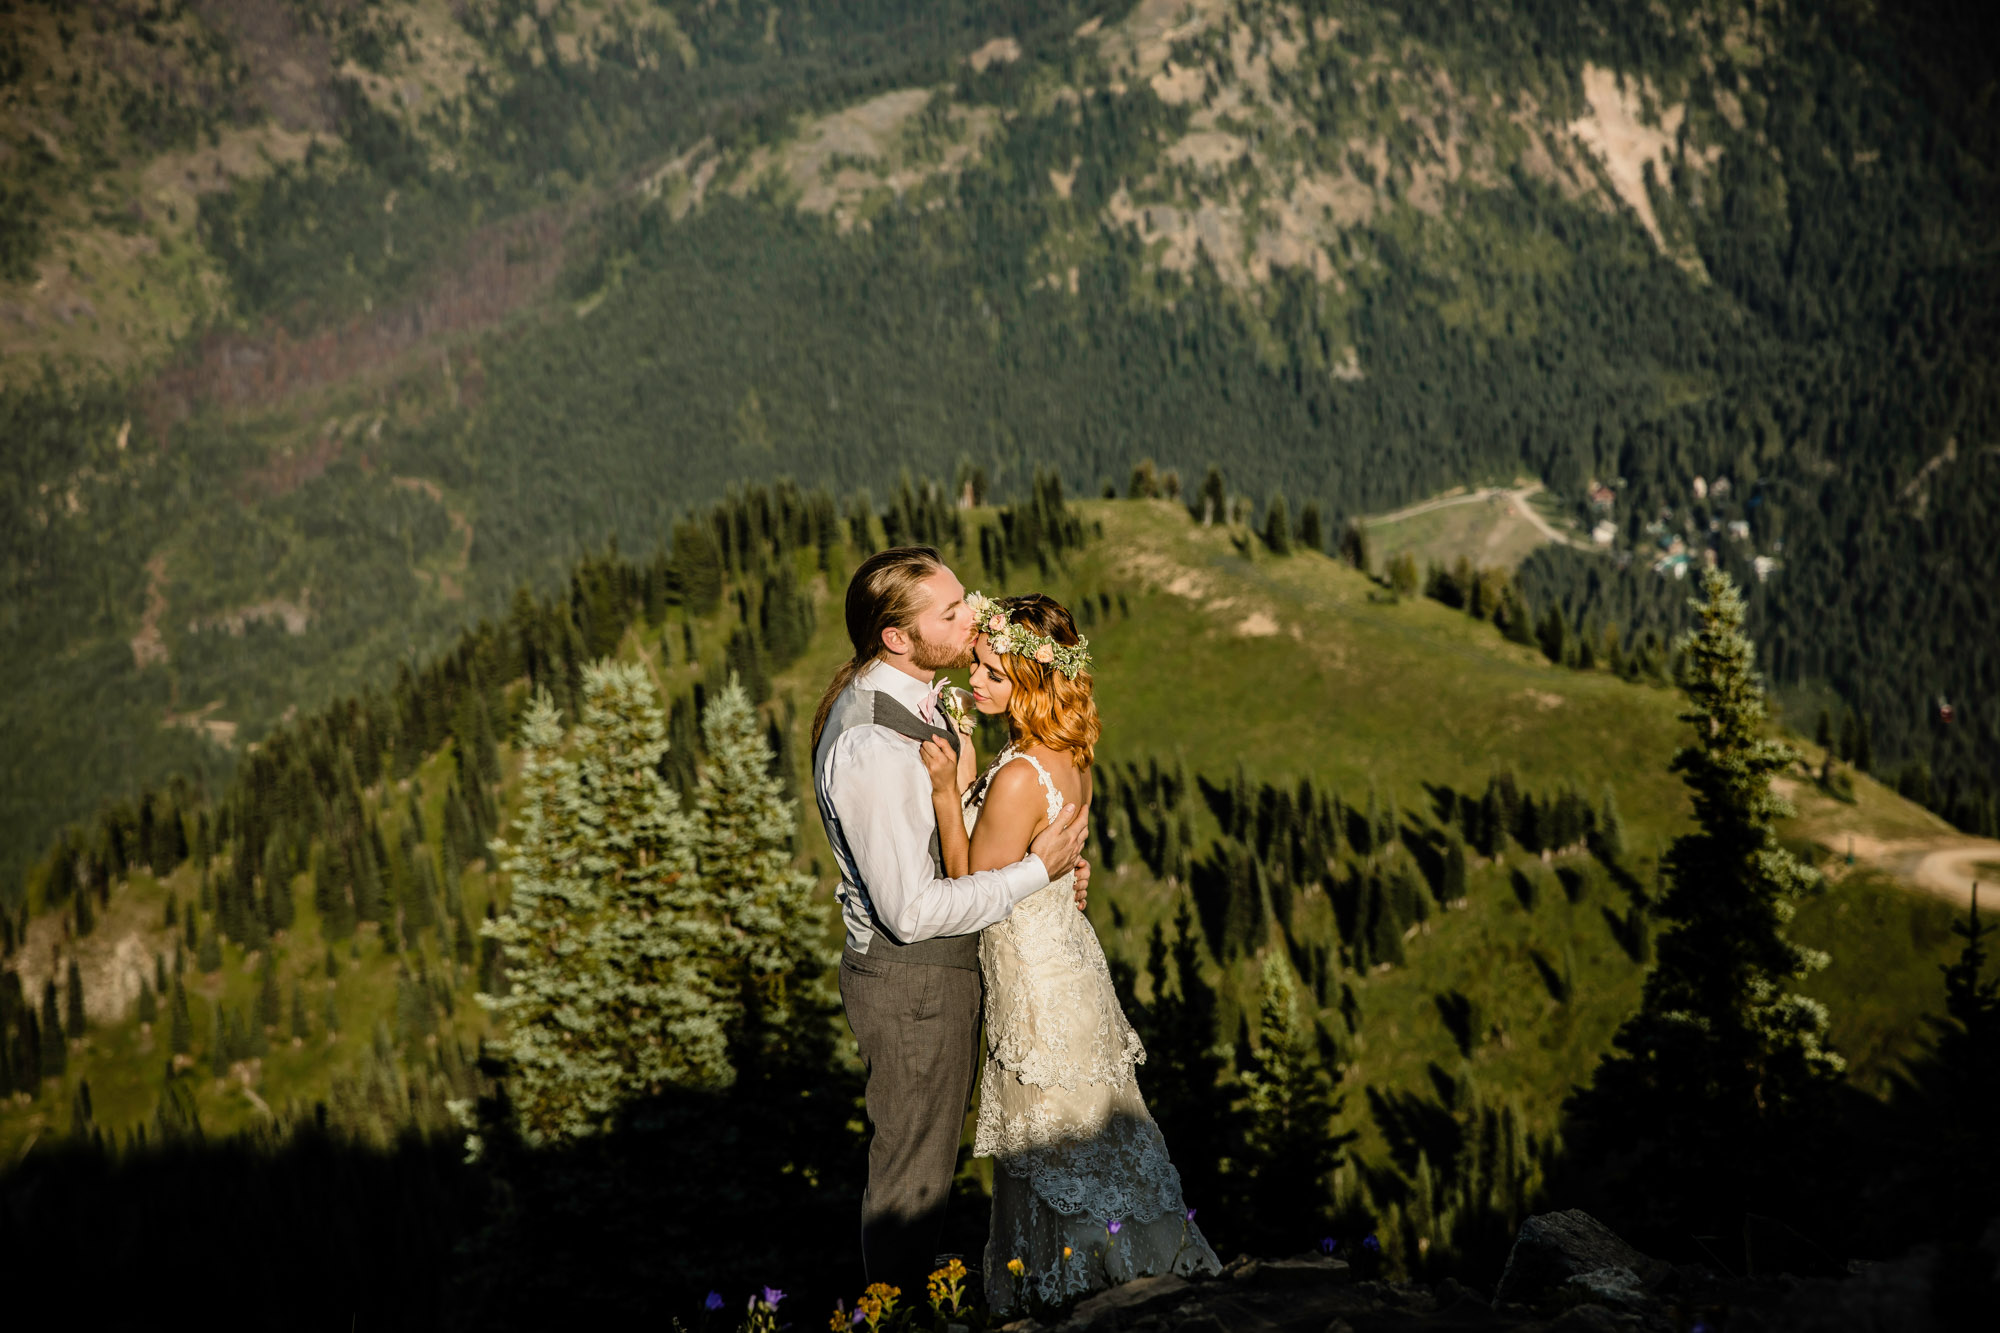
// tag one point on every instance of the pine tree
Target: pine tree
(1715, 1080)
(181, 1038)
(1452, 887)
(220, 1042)
(270, 1007)
(1278, 526)
(331, 1018)
(1312, 533)
(1289, 1148)
(149, 1005)
(612, 948)
(743, 854)
(209, 957)
(75, 1021)
(177, 1117)
(55, 1053)
(1608, 838)
(1354, 546)
(301, 1027)
(1184, 1058)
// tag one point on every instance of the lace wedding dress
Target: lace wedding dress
(1083, 1193)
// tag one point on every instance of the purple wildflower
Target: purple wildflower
(714, 1301)
(772, 1296)
(859, 1315)
(1328, 1245)
(1190, 1214)
(1370, 1244)
(1114, 1226)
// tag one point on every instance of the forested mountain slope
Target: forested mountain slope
(332, 324)
(1437, 842)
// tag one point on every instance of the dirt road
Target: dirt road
(1517, 496)
(1946, 866)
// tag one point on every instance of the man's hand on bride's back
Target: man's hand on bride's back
(1082, 883)
(1061, 843)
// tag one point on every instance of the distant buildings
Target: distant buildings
(1602, 534)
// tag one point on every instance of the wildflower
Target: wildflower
(947, 1285)
(1328, 1245)
(1190, 1216)
(885, 1296)
(1114, 1226)
(1017, 1268)
(841, 1319)
(869, 1308)
(772, 1296)
(1067, 1252)
(1370, 1244)
(714, 1301)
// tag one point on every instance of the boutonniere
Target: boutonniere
(956, 704)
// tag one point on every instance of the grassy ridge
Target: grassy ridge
(1289, 667)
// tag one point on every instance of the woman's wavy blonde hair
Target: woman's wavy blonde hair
(1047, 707)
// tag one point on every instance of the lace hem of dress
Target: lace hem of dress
(1064, 1256)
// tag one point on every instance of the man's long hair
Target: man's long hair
(886, 590)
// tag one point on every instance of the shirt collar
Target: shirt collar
(904, 688)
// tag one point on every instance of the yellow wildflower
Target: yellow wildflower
(1017, 1268)
(947, 1286)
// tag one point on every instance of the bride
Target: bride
(1083, 1193)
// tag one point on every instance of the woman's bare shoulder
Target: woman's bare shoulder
(1013, 782)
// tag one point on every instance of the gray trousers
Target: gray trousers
(918, 1028)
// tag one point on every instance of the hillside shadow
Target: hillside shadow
(687, 1193)
(1411, 1124)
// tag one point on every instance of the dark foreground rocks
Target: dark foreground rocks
(1568, 1273)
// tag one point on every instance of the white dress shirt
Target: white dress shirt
(880, 829)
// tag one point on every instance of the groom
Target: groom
(909, 974)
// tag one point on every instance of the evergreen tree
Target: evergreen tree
(221, 1042)
(75, 1021)
(301, 1027)
(1354, 546)
(149, 1005)
(270, 1007)
(181, 1038)
(209, 957)
(80, 1112)
(1608, 838)
(331, 1018)
(743, 854)
(1289, 1149)
(611, 946)
(55, 1053)
(1184, 1055)
(177, 1117)
(1312, 533)
(1709, 1094)
(1452, 886)
(1278, 526)
(1212, 504)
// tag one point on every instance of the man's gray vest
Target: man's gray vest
(857, 707)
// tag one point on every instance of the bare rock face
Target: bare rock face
(1552, 1248)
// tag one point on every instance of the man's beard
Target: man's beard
(928, 656)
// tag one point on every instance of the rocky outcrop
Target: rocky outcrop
(1567, 1273)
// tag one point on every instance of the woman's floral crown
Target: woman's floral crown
(1006, 636)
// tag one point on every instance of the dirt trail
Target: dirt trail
(1946, 866)
(1517, 496)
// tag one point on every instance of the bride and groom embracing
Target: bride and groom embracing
(962, 898)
